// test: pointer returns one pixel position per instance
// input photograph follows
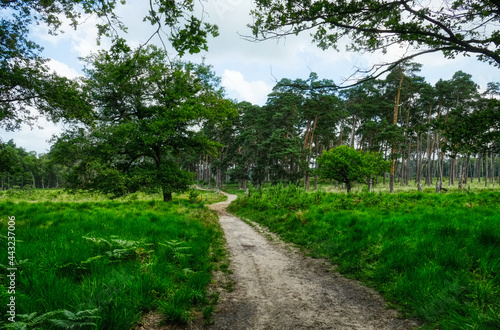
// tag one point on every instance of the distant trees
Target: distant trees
(448, 130)
(22, 169)
(156, 124)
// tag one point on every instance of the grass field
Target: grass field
(103, 264)
(412, 186)
(61, 195)
(434, 256)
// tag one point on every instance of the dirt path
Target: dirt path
(277, 288)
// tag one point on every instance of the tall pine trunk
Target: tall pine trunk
(486, 168)
(395, 122)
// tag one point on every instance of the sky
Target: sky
(248, 70)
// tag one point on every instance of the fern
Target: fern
(178, 252)
(120, 248)
(66, 320)
(76, 320)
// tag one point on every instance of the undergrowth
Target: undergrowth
(436, 257)
(102, 265)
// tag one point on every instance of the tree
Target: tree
(348, 165)
(451, 27)
(476, 131)
(25, 81)
(147, 114)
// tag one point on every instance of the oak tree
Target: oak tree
(148, 114)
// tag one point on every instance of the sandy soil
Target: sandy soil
(276, 287)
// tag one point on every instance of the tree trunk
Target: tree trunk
(460, 169)
(451, 172)
(486, 169)
(395, 122)
(492, 157)
(354, 123)
(167, 196)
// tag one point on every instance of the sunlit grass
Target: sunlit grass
(434, 256)
(475, 185)
(114, 260)
(61, 195)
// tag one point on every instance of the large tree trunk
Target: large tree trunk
(348, 186)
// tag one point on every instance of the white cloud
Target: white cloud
(81, 42)
(254, 92)
(62, 69)
(33, 138)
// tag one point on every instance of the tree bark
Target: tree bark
(167, 196)
(492, 158)
(348, 186)
(395, 122)
(486, 169)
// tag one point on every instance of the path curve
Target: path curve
(276, 287)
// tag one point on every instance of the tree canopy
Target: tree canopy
(451, 27)
(26, 83)
(148, 113)
(348, 165)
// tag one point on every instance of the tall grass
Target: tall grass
(61, 195)
(434, 256)
(109, 261)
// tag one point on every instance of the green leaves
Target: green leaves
(147, 117)
(25, 81)
(371, 26)
(348, 165)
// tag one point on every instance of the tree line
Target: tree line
(159, 126)
(21, 169)
(428, 132)
(141, 121)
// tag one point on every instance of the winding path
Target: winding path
(276, 287)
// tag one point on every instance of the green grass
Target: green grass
(412, 186)
(436, 257)
(107, 263)
(61, 195)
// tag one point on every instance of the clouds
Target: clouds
(79, 43)
(62, 69)
(33, 138)
(254, 92)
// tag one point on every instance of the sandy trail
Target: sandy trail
(276, 287)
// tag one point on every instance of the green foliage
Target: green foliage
(193, 195)
(27, 169)
(450, 27)
(278, 196)
(433, 256)
(60, 319)
(138, 143)
(478, 131)
(107, 263)
(348, 165)
(25, 80)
